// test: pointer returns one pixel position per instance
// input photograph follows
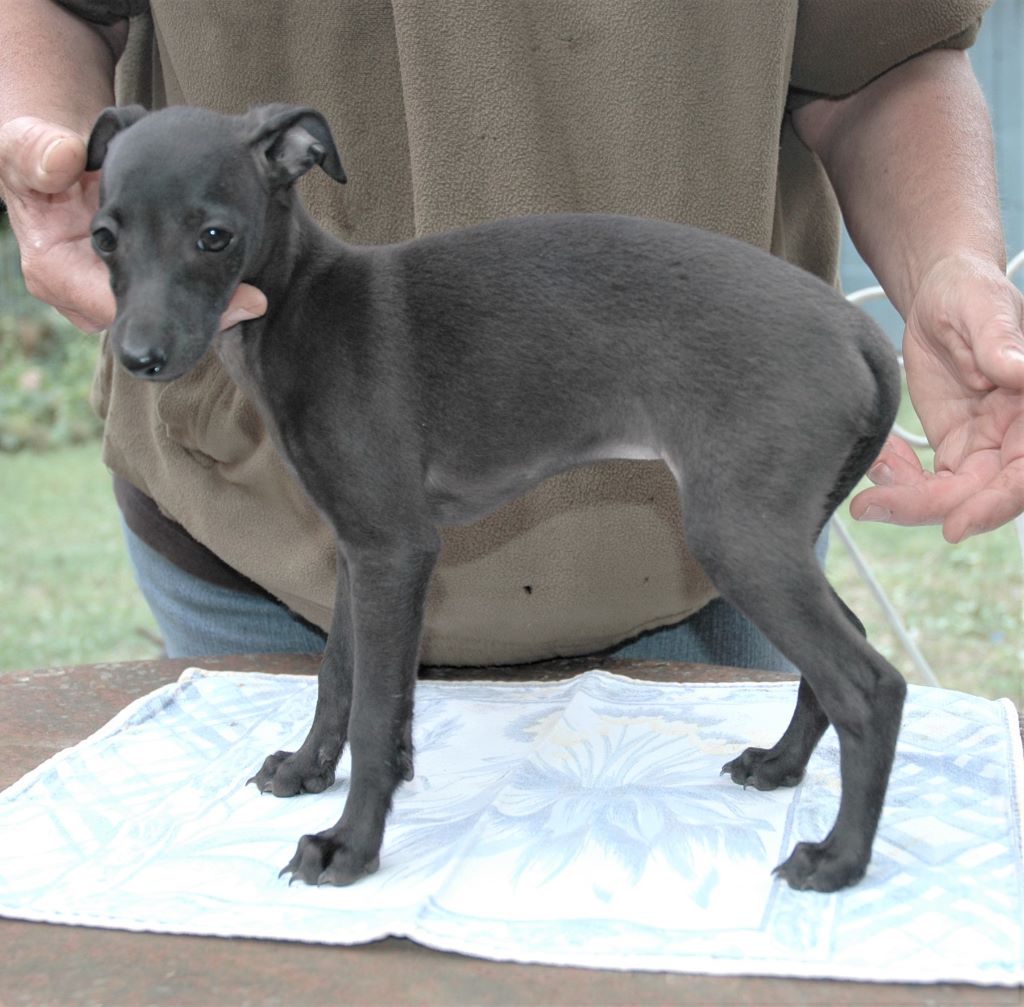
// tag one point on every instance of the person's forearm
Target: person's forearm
(55, 66)
(911, 159)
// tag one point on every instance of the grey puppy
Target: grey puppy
(424, 384)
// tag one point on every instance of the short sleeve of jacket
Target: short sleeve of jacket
(841, 45)
(105, 11)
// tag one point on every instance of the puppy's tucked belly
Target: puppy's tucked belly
(632, 452)
(457, 497)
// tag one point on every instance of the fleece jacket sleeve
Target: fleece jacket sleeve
(840, 47)
(105, 11)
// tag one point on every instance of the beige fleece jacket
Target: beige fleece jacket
(451, 112)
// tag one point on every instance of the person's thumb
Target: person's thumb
(40, 156)
(999, 343)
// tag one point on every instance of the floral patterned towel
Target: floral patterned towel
(582, 822)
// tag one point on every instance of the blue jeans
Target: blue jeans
(197, 619)
(200, 619)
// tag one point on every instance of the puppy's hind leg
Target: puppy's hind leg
(783, 764)
(770, 573)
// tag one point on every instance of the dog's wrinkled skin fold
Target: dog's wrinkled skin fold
(426, 383)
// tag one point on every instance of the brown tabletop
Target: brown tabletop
(44, 711)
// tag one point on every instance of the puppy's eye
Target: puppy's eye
(104, 240)
(214, 239)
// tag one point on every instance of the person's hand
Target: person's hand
(51, 201)
(964, 354)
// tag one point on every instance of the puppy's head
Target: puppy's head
(185, 198)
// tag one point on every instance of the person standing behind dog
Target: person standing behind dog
(757, 118)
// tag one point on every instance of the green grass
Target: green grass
(68, 596)
(963, 605)
(66, 589)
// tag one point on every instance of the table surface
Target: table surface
(46, 710)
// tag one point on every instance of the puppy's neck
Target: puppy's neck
(290, 236)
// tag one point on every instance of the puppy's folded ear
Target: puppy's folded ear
(292, 140)
(110, 122)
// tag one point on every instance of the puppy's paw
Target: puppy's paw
(328, 858)
(763, 769)
(285, 774)
(821, 867)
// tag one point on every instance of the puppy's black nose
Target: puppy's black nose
(147, 364)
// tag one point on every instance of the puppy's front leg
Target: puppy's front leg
(311, 769)
(388, 597)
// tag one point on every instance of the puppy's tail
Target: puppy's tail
(880, 361)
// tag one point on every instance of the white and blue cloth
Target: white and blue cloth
(581, 822)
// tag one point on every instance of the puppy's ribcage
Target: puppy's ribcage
(461, 384)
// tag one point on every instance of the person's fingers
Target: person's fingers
(70, 277)
(246, 303)
(991, 507)
(984, 494)
(914, 497)
(40, 156)
(896, 462)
